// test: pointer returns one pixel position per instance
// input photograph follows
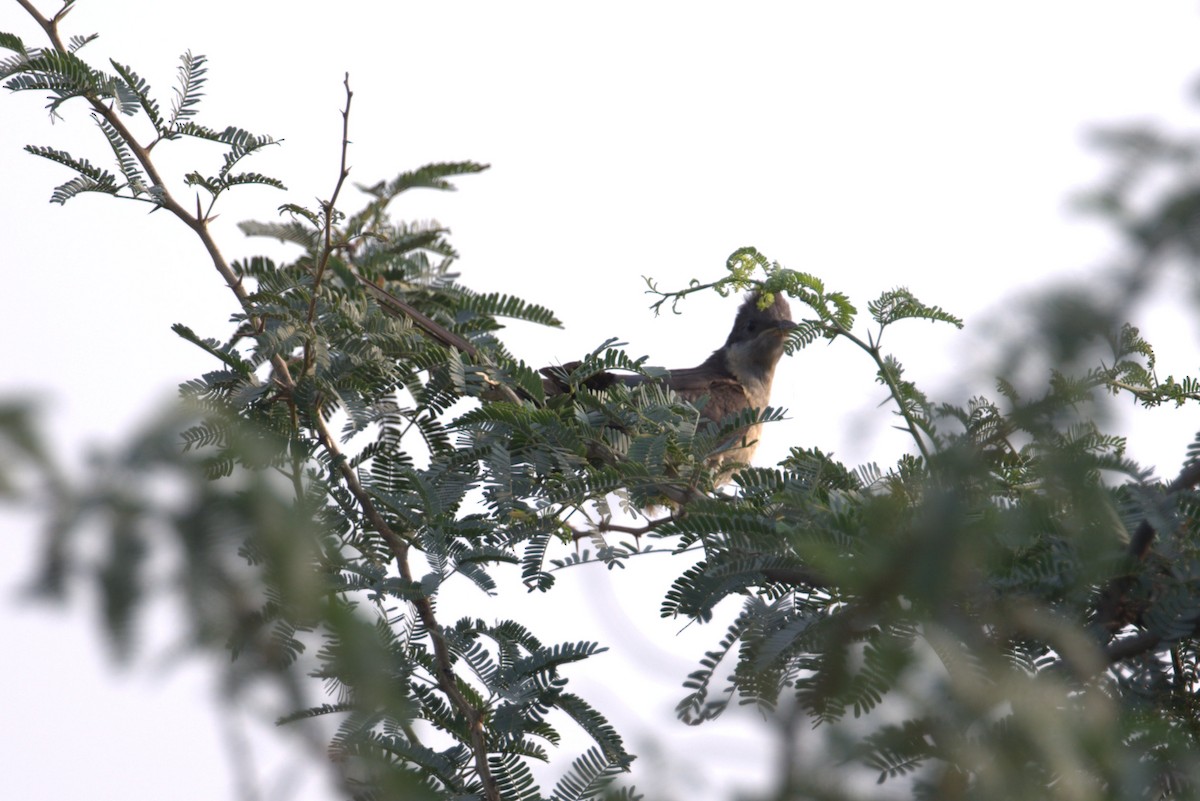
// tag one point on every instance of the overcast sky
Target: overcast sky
(875, 144)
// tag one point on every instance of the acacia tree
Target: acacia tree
(1010, 611)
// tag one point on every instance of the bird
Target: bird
(736, 377)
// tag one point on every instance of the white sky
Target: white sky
(928, 144)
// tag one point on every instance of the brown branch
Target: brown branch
(637, 531)
(331, 205)
(50, 26)
(446, 679)
(599, 529)
(398, 308)
(329, 208)
(196, 222)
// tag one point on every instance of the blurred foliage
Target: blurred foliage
(1010, 611)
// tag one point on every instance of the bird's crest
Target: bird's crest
(751, 319)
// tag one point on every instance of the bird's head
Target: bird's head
(756, 341)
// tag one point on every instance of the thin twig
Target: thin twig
(330, 206)
(637, 531)
(50, 26)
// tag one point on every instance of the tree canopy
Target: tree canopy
(1008, 611)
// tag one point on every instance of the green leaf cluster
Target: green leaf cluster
(65, 75)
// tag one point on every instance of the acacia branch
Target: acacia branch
(446, 679)
(50, 26)
(197, 222)
(1147, 393)
(330, 206)
(637, 531)
(394, 306)
(445, 676)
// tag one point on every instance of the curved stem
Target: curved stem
(872, 349)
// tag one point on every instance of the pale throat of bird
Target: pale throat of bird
(754, 376)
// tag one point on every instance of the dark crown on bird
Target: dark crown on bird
(752, 321)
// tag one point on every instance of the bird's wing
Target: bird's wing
(725, 395)
(721, 395)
